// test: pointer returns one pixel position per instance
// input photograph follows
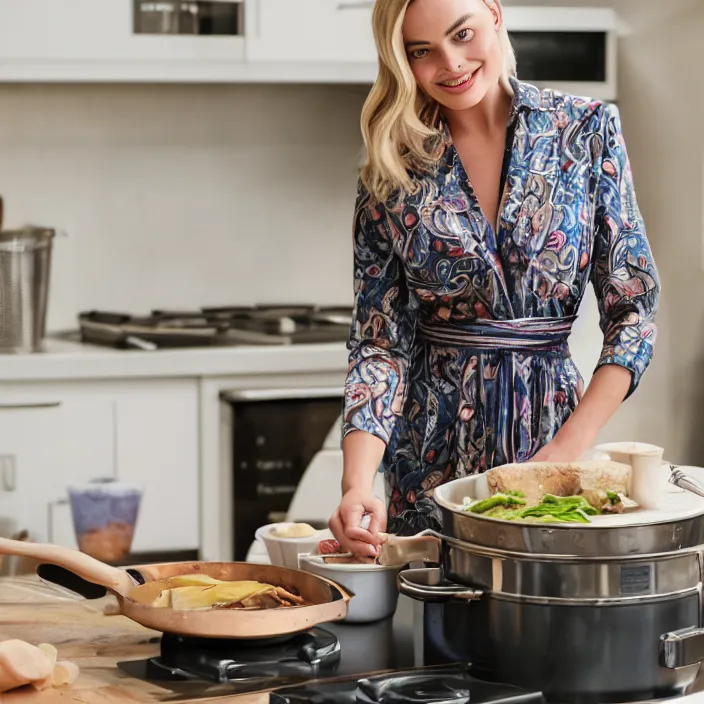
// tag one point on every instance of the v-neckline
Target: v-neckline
(491, 242)
(494, 227)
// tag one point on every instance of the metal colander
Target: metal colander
(25, 263)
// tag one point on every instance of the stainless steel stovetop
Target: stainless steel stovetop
(223, 326)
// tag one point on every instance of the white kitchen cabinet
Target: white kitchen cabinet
(48, 440)
(94, 41)
(139, 432)
(315, 31)
(284, 41)
(97, 31)
(157, 447)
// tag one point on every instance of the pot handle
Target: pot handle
(427, 585)
(397, 550)
(681, 648)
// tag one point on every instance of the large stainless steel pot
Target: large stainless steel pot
(25, 267)
(588, 615)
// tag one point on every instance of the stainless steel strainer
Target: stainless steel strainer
(25, 264)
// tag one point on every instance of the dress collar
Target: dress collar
(525, 97)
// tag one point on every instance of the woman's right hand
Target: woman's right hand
(346, 522)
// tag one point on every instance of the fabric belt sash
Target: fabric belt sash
(485, 334)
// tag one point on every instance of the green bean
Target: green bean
(494, 501)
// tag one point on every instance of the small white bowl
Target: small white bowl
(623, 451)
(283, 552)
(373, 586)
(646, 464)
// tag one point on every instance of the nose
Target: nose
(451, 60)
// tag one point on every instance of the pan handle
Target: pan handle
(67, 579)
(70, 580)
(85, 566)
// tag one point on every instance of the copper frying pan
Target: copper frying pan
(329, 601)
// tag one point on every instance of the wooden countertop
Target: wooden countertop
(80, 630)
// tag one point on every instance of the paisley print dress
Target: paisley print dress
(459, 357)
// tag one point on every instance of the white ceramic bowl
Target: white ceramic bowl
(373, 586)
(283, 552)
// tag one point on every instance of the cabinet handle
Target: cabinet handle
(18, 406)
(356, 5)
(50, 517)
(9, 472)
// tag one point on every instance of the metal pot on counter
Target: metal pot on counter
(25, 267)
(609, 612)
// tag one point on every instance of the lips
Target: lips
(460, 80)
(459, 83)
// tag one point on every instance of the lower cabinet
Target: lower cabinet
(140, 432)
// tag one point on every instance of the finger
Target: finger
(336, 527)
(368, 531)
(360, 548)
(338, 530)
(363, 535)
(378, 522)
(357, 547)
(352, 516)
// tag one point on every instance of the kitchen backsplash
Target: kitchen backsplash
(178, 196)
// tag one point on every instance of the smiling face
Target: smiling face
(453, 49)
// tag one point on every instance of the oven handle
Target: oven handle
(681, 648)
(427, 585)
(240, 395)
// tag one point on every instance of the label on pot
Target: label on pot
(636, 580)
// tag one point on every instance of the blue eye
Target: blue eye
(465, 35)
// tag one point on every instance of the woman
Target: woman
(484, 209)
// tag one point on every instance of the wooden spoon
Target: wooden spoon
(116, 580)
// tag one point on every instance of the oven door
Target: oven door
(274, 435)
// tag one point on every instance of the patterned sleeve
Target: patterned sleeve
(624, 274)
(383, 326)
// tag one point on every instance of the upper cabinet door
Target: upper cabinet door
(310, 31)
(97, 33)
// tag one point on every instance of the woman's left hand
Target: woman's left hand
(603, 396)
(557, 451)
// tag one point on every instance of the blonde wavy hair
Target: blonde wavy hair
(400, 124)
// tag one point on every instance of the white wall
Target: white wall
(663, 105)
(182, 196)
